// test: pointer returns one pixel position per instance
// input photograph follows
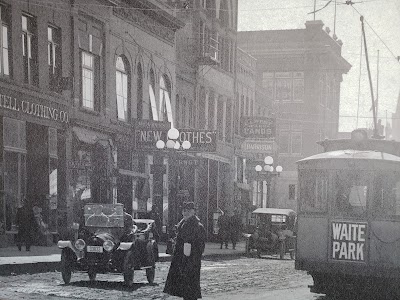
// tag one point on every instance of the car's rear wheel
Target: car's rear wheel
(92, 275)
(128, 269)
(66, 268)
(150, 274)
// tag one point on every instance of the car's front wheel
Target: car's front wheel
(128, 269)
(92, 275)
(66, 268)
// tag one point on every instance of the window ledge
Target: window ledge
(89, 111)
(121, 123)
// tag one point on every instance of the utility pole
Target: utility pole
(376, 134)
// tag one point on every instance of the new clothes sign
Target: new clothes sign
(148, 132)
(348, 241)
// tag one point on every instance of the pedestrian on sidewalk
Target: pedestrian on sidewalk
(235, 228)
(223, 231)
(183, 278)
(27, 227)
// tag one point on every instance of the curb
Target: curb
(54, 266)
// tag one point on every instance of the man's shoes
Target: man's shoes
(19, 248)
(28, 249)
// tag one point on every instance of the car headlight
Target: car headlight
(80, 244)
(108, 246)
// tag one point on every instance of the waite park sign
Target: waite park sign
(258, 127)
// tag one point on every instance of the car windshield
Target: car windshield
(104, 215)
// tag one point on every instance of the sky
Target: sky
(382, 29)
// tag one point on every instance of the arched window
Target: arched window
(152, 98)
(122, 88)
(165, 100)
(139, 92)
(178, 112)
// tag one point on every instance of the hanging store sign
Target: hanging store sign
(34, 109)
(258, 127)
(200, 140)
(148, 132)
(348, 241)
(256, 149)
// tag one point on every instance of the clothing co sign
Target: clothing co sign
(34, 109)
(348, 241)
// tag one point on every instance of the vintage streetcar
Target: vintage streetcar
(348, 235)
(110, 241)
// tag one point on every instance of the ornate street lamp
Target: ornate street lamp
(172, 142)
(267, 175)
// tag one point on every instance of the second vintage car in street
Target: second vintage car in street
(110, 241)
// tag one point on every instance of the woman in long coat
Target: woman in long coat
(184, 273)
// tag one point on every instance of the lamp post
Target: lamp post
(172, 145)
(267, 172)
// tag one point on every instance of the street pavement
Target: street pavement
(46, 259)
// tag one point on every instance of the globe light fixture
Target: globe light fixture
(160, 144)
(268, 160)
(186, 145)
(258, 168)
(173, 134)
(172, 142)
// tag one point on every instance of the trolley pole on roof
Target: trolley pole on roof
(376, 134)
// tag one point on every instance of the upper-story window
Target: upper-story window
(165, 100)
(89, 85)
(284, 86)
(54, 57)
(290, 142)
(90, 35)
(153, 115)
(29, 50)
(4, 41)
(122, 89)
(139, 92)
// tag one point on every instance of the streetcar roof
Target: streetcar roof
(274, 211)
(352, 154)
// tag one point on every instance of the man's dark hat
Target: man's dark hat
(188, 205)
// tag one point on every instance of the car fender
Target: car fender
(125, 246)
(64, 244)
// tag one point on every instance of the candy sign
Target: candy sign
(348, 241)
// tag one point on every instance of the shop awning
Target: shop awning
(89, 136)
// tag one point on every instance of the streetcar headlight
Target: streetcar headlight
(80, 244)
(108, 246)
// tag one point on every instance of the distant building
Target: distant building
(396, 122)
(298, 75)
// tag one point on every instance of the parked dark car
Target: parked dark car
(275, 232)
(110, 241)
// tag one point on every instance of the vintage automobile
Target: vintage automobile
(274, 233)
(110, 242)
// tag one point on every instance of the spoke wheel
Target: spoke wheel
(66, 269)
(92, 275)
(150, 274)
(128, 269)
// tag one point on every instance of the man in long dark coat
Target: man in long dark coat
(184, 273)
(27, 226)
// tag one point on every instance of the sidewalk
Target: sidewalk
(46, 259)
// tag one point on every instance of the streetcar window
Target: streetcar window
(387, 193)
(351, 192)
(313, 190)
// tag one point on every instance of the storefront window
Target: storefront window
(53, 194)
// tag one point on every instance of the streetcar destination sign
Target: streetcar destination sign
(348, 241)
